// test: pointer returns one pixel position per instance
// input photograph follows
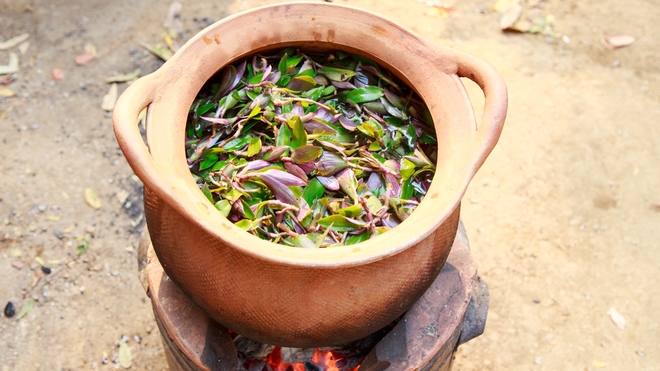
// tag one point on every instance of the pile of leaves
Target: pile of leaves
(311, 150)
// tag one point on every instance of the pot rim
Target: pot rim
(183, 193)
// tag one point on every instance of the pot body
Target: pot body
(291, 296)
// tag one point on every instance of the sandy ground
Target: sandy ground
(563, 218)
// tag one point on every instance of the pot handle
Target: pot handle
(133, 100)
(496, 99)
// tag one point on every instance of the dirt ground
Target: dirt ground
(563, 218)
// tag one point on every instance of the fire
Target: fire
(323, 360)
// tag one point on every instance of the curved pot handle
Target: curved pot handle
(135, 98)
(496, 99)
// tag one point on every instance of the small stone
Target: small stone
(45, 269)
(640, 353)
(10, 309)
(148, 329)
(536, 300)
(58, 234)
(18, 264)
(537, 361)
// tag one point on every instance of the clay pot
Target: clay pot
(292, 296)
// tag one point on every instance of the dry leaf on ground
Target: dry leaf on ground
(125, 77)
(618, 41)
(92, 199)
(510, 17)
(23, 48)
(110, 99)
(12, 67)
(25, 309)
(617, 318)
(125, 356)
(6, 92)
(5, 45)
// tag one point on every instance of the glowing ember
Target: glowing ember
(322, 361)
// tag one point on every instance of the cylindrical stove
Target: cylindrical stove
(452, 311)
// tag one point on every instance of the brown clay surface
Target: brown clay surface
(562, 220)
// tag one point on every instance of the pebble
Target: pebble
(640, 353)
(10, 310)
(58, 234)
(45, 269)
(536, 300)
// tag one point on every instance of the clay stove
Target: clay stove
(452, 311)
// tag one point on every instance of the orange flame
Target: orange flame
(326, 359)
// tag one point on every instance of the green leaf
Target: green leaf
(282, 66)
(351, 211)
(407, 168)
(302, 240)
(244, 224)
(292, 62)
(306, 153)
(283, 136)
(26, 308)
(299, 135)
(336, 74)
(340, 223)
(204, 108)
(254, 147)
(207, 192)
(365, 94)
(357, 238)
(255, 111)
(237, 143)
(313, 191)
(407, 189)
(208, 161)
(224, 207)
(246, 209)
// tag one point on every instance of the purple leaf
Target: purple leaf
(329, 182)
(374, 182)
(279, 190)
(393, 191)
(274, 77)
(330, 164)
(347, 123)
(316, 127)
(282, 177)
(390, 221)
(343, 84)
(307, 167)
(275, 153)
(298, 110)
(256, 165)
(323, 114)
(295, 170)
(394, 166)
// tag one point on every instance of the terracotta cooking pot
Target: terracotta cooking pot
(293, 296)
